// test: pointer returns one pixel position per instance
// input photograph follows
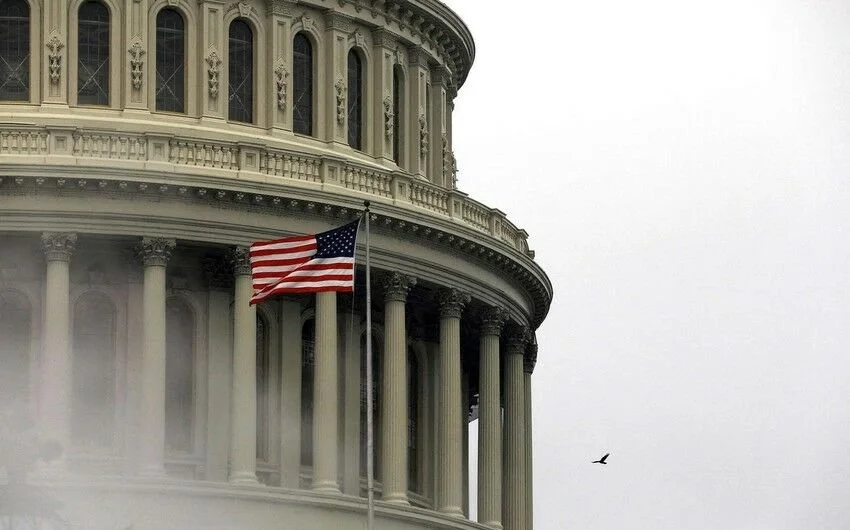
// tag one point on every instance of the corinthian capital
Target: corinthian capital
(518, 339)
(58, 247)
(155, 251)
(241, 259)
(493, 320)
(396, 286)
(452, 302)
(530, 359)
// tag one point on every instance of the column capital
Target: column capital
(396, 286)
(336, 21)
(518, 339)
(241, 260)
(155, 251)
(280, 7)
(493, 320)
(58, 246)
(383, 38)
(530, 359)
(452, 302)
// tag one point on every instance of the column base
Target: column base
(398, 499)
(243, 477)
(452, 511)
(495, 525)
(326, 487)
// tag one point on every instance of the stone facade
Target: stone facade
(125, 333)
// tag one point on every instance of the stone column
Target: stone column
(325, 396)
(155, 253)
(350, 336)
(528, 366)
(280, 57)
(450, 491)
(290, 394)
(243, 391)
(212, 92)
(382, 94)
(337, 29)
(490, 421)
(56, 359)
(440, 149)
(514, 458)
(134, 57)
(418, 126)
(54, 77)
(394, 390)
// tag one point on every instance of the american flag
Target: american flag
(304, 264)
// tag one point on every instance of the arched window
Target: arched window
(355, 100)
(93, 398)
(263, 374)
(170, 61)
(240, 72)
(15, 322)
(179, 376)
(93, 54)
(308, 348)
(302, 85)
(413, 391)
(398, 112)
(14, 50)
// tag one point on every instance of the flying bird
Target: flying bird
(601, 460)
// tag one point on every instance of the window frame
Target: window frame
(32, 60)
(74, 45)
(253, 118)
(312, 42)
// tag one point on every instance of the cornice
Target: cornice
(397, 220)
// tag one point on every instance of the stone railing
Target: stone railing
(181, 154)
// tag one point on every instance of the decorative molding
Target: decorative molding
(280, 81)
(137, 63)
(280, 7)
(244, 7)
(518, 338)
(358, 39)
(389, 115)
(58, 246)
(493, 320)
(339, 22)
(307, 22)
(400, 58)
(54, 58)
(452, 302)
(423, 134)
(340, 100)
(155, 251)
(396, 286)
(213, 67)
(530, 359)
(240, 258)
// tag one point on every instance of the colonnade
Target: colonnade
(504, 478)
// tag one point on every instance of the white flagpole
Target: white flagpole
(370, 442)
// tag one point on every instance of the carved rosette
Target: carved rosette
(155, 251)
(54, 58)
(388, 116)
(280, 80)
(396, 286)
(137, 63)
(58, 247)
(530, 359)
(452, 302)
(518, 339)
(340, 100)
(241, 260)
(423, 135)
(213, 69)
(493, 320)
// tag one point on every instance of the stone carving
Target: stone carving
(54, 58)
(155, 251)
(58, 246)
(137, 63)
(400, 58)
(530, 359)
(396, 286)
(452, 302)
(518, 339)
(359, 39)
(241, 260)
(493, 320)
(307, 22)
(280, 80)
(423, 135)
(389, 115)
(340, 100)
(244, 7)
(213, 68)
(446, 155)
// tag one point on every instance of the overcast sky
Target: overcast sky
(682, 168)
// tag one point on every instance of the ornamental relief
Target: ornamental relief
(280, 80)
(213, 68)
(389, 116)
(423, 134)
(340, 100)
(137, 53)
(54, 58)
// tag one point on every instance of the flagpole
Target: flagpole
(370, 442)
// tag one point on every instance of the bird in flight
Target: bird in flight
(601, 460)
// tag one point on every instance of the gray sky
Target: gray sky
(683, 171)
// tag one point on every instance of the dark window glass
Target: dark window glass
(263, 373)
(355, 100)
(93, 415)
(93, 55)
(398, 110)
(240, 73)
(179, 376)
(170, 61)
(302, 85)
(15, 321)
(14, 50)
(308, 345)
